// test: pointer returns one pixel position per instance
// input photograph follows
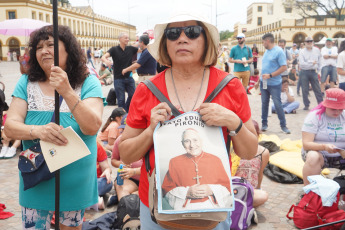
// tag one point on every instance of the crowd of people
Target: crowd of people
(192, 71)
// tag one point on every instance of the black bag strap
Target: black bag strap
(161, 96)
(175, 111)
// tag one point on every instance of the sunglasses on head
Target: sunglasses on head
(192, 32)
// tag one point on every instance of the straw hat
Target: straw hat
(181, 17)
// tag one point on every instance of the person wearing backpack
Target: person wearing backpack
(181, 44)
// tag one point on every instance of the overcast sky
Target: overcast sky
(144, 14)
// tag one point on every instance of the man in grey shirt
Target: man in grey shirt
(282, 44)
(310, 64)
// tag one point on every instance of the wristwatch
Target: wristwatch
(235, 132)
(271, 75)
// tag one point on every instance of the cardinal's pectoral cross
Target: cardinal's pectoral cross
(197, 175)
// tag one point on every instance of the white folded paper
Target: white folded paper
(59, 156)
(254, 91)
(244, 59)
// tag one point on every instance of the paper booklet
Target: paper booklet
(60, 156)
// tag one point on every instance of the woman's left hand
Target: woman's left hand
(216, 115)
(127, 173)
(59, 80)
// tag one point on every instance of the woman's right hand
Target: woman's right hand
(330, 148)
(159, 113)
(50, 133)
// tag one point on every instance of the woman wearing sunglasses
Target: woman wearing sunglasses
(188, 45)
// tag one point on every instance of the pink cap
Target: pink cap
(335, 99)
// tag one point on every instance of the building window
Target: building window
(33, 15)
(259, 21)
(11, 15)
(40, 16)
(288, 10)
(309, 8)
(47, 18)
(259, 8)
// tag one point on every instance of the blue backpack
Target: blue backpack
(244, 211)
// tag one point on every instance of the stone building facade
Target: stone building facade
(91, 30)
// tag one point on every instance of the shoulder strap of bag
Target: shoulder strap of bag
(175, 111)
(160, 96)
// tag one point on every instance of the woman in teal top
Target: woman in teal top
(29, 119)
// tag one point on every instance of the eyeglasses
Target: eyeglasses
(192, 32)
(309, 41)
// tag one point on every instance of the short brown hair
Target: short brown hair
(256, 72)
(209, 58)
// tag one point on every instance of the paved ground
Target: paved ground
(272, 215)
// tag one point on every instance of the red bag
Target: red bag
(332, 217)
(308, 211)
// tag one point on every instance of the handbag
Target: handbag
(32, 165)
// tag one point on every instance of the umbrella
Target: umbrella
(20, 27)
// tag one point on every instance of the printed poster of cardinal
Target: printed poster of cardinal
(192, 167)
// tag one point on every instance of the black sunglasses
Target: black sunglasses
(239, 38)
(192, 32)
(309, 41)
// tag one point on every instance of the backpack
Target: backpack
(111, 98)
(182, 221)
(128, 210)
(310, 212)
(242, 215)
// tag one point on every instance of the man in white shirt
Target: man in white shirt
(341, 65)
(329, 55)
(288, 100)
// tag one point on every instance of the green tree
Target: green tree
(225, 34)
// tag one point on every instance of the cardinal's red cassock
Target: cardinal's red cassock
(185, 171)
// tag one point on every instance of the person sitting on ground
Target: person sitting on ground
(130, 173)
(323, 133)
(289, 104)
(109, 132)
(254, 80)
(105, 76)
(293, 76)
(253, 170)
(103, 175)
(8, 152)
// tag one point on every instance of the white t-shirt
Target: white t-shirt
(341, 64)
(326, 129)
(96, 53)
(283, 96)
(329, 51)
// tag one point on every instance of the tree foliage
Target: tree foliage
(319, 8)
(225, 34)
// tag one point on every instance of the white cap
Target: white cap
(241, 35)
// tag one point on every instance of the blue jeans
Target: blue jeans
(342, 86)
(148, 224)
(103, 186)
(274, 91)
(121, 86)
(299, 86)
(310, 76)
(90, 60)
(288, 107)
(331, 71)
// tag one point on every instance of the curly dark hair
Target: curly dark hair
(76, 68)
